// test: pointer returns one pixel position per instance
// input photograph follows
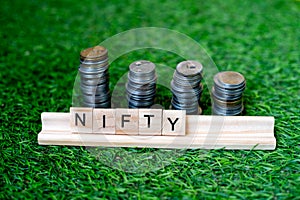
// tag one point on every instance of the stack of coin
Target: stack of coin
(141, 84)
(94, 78)
(227, 93)
(186, 87)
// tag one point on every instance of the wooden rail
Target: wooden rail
(202, 132)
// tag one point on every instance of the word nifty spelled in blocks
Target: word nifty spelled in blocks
(128, 121)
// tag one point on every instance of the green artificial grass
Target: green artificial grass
(40, 45)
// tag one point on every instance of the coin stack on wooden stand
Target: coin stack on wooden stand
(227, 93)
(141, 84)
(186, 87)
(94, 77)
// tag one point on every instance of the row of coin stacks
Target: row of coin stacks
(186, 85)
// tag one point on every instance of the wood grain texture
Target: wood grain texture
(127, 121)
(202, 132)
(104, 121)
(150, 121)
(81, 120)
(174, 122)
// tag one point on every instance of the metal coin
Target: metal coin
(95, 99)
(141, 84)
(142, 80)
(93, 81)
(225, 97)
(186, 87)
(227, 103)
(94, 90)
(189, 68)
(93, 70)
(97, 105)
(94, 77)
(141, 67)
(227, 112)
(229, 79)
(93, 54)
(227, 93)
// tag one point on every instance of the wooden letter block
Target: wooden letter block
(150, 121)
(81, 120)
(127, 121)
(174, 122)
(104, 121)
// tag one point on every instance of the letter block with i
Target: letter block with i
(104, 121)
(174, 122)
(81, 120)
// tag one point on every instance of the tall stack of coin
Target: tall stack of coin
(227, 93)
(94, 78)
(141, 84)
(186, 87)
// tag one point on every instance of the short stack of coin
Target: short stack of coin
(94, 77)
(186, 87)
(227, 93)
(141, 84)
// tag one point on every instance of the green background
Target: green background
(40, 45)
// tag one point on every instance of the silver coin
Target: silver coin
(190, 111)
(140, 93)
(97, 105)
(222, 103)
(95, 99)
(227, 93)
(229, 79)
(186, 87)
(101, 71)
(93, 54)
(93, 81)
(140, 104)
(94, 90)
(146, 87)
(227, 107)
(226, 112)
(189, 68)
(141, 67)
(224, 97)
(94, 77)
(141, 84)
(187, 80)
(139, 98)
(142, 80)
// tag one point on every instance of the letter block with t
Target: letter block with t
(150, 121)
(174, 122)
(127, 121)
(81, 120)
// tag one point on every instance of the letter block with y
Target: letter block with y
(127, 121)
(174, 122)
(81, 120)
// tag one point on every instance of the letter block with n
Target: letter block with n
(81, 120)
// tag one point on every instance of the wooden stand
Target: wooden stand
(202, 132)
